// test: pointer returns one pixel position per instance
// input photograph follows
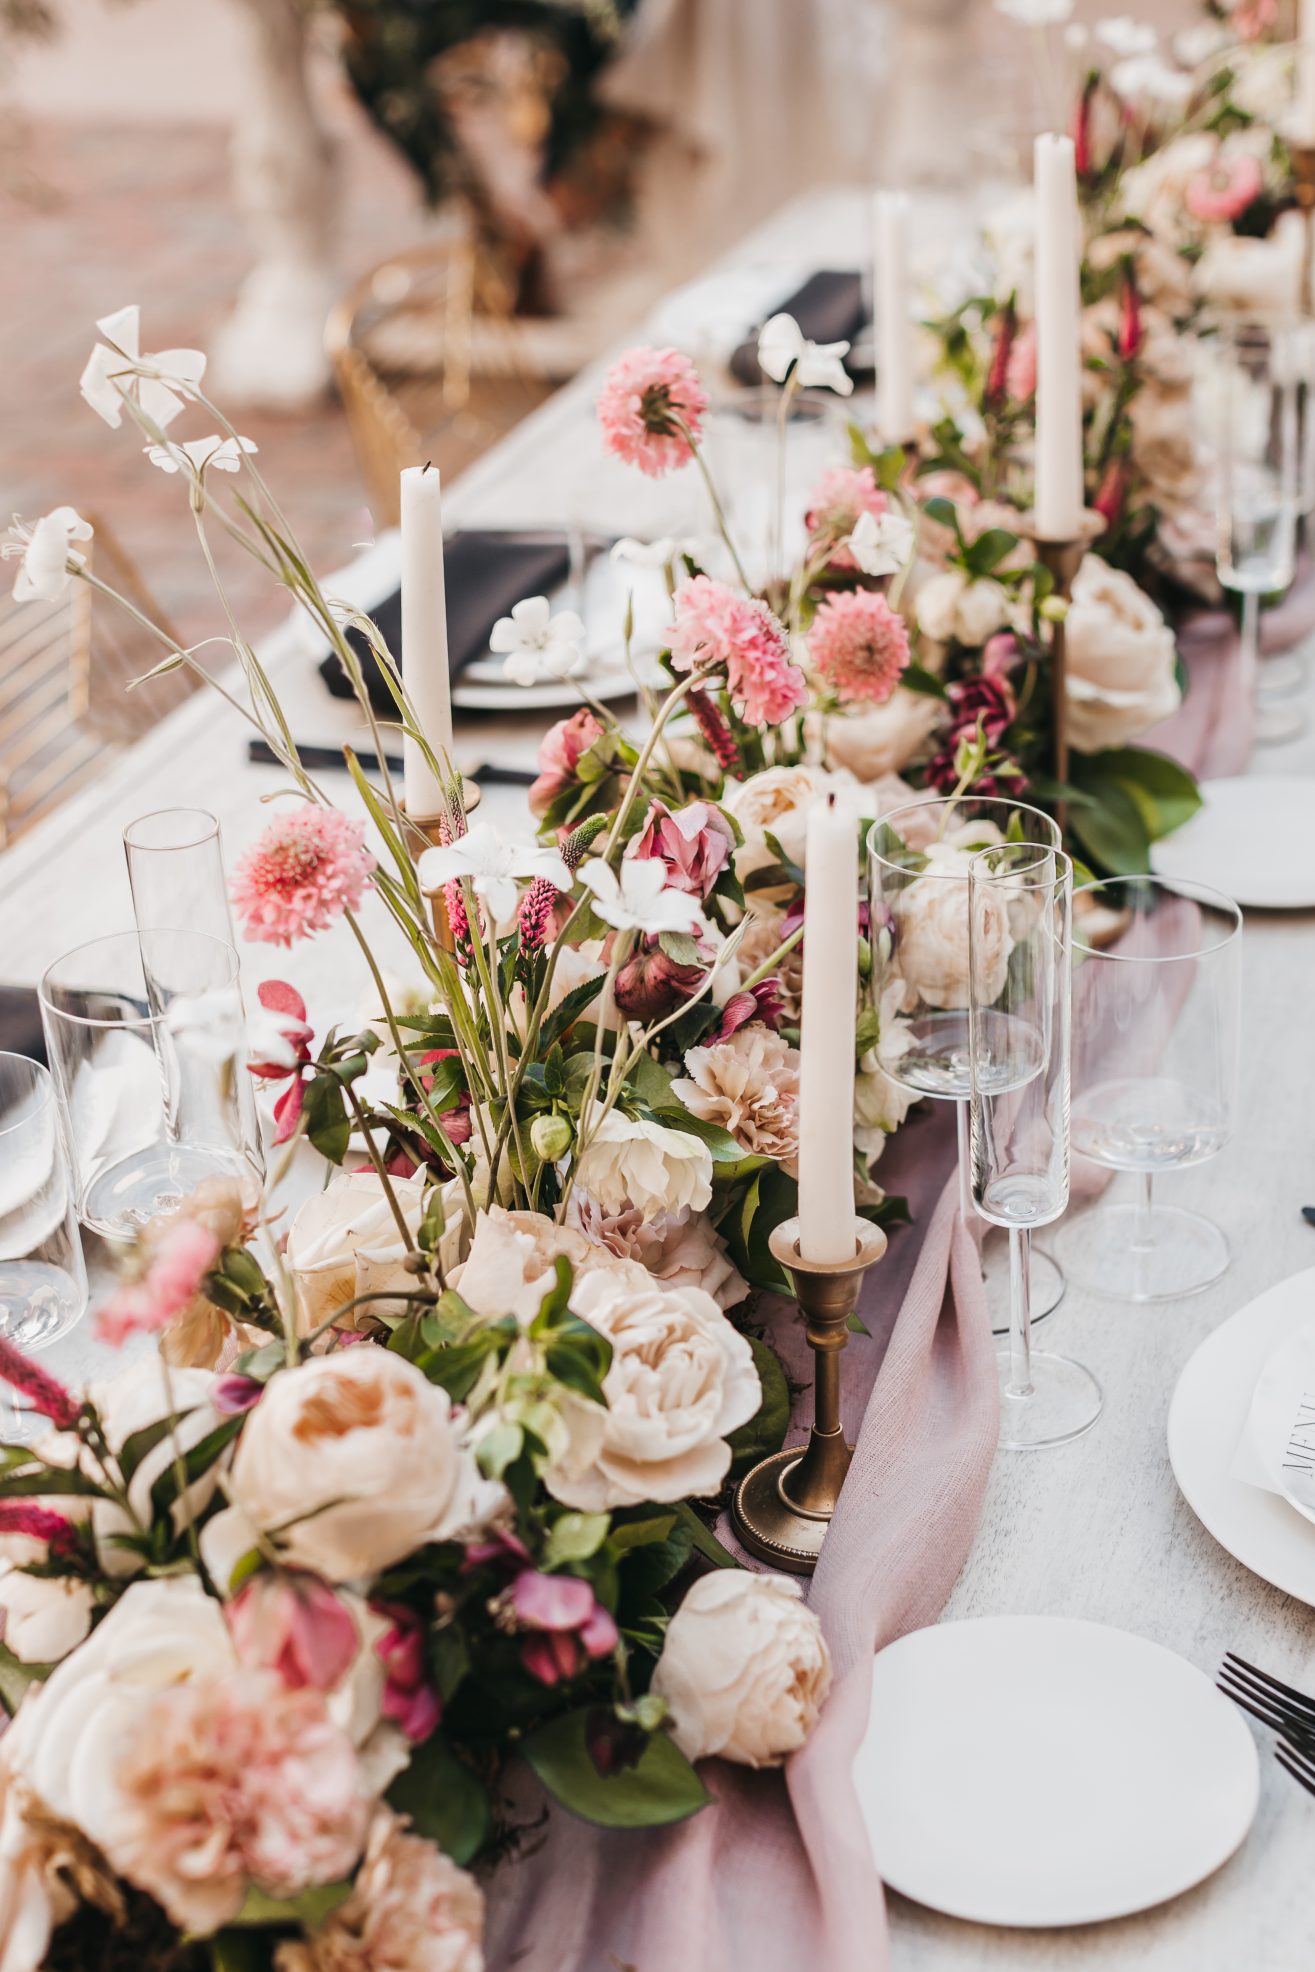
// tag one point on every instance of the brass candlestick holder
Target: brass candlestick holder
(783, 1507)
(1062, 559)
(1303, 187)
(437, 833)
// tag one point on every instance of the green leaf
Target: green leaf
(703, 1537)
(141, 1443)
(1165, 793)
(915, 679)
(766, 1429)
(575, 1537)
(1113, 831)
(569, 1010)
(444, 1799)
(990, 549)
(240, 1951)
(327, 1123)
(639, 1533)
(16, 1676)
(308, 1909)
(679, 947)
(720, 1142)
(194, 1462)
(662, 1787)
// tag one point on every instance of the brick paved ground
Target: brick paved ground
(144, 214)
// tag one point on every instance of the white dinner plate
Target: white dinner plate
(1253, 838)
(1206, 1418)
(1039, 1771)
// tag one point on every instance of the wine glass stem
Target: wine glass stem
(1250, 641)
(1143, 1228)
(1020, 1312)
(965, 1164)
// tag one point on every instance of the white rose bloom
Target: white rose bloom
(938, 604)
(631, 1162)
(931, 933)
(354, 1460)
(881, 739)
(1154, 190)
(1258, 278)
(1121, 659)
(510, 1265)
(681, 1378)
(776, 802)
(34, 1898)
(982, 610)
(344, 1242)
(745, 1669)
(684, 1248)
(42, 1617)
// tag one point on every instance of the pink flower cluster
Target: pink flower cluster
(834, 505)
(693, 844)
(568, 1627)
(859, 645)
(560, 752)
(307, 868)
(410, 1698)
(650, 408)
(717, 629)
(181, 1259)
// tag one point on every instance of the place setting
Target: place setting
(572, 1260)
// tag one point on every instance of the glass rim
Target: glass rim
(944, 801)
(1059, 859)
(207, 834)
(1185, 887)
(42, 1084)
(147, 1020)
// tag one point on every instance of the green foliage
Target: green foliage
(1127, 797)
(660, 1788)
(766, 1429)
(444, 1798)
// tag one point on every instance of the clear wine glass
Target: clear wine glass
(1019, 907)
(1249, 376)
(176, 872)
(43, 1279)
(918, 862)
(1157, 982)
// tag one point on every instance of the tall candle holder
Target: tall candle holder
(1062, 560)
(783, 1507)
(437, 833)
(1303, 188)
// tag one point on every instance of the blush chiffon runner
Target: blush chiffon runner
(776, 1874)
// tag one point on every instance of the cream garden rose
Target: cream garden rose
(680, 1380)
(43, 1617)
(630, 1161)
(880, 740)
(745, 1669)
(951, 606)
(1121, 659)
(345, 1242)
(931, 933)
(510, 1265)
(775, 802)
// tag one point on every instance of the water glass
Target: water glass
(43, 1282)
(1019, 906)
(176, 872)
(767, 448)
(147, 1049)
(1157, 991)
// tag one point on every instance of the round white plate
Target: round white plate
(1282, 1418)
(1253, 838)
(1038, 1771)
(1209, 1409)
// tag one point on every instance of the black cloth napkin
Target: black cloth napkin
(828, 308)
(486, 572)
(20, 1023)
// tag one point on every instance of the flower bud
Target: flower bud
(551, 1137)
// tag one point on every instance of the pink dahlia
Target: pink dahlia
(651, 409)
(715, 628)
(859, 645)
(834, 505)
(307, 867)
(1224, 192)
(182, 1257)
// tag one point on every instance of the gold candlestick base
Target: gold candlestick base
(437, 832)
(1062, 559)
(783, 1507)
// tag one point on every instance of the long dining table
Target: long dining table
(1095, 1529)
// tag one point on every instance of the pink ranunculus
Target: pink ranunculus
(290, 1622)
(182, 1258)
(570, 1628)
(859, 645)
(834, 505)
(717, 629)
(559, 755)
(1223, 193)
(1020, 373)
(307, 868)
(410, 1698)
(651, 407)
(695, 843)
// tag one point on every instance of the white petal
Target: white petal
(123, 329)
(161, 404)
(531, 616)
(780, 343)
(522, 667)
(505, 635)
(166, 457)
(97, 387)
(567, 627)
(500, 894)
(185, 366)
(532, 859)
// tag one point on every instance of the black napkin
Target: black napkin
(486, 572)
(20, 1023)
(828, 308)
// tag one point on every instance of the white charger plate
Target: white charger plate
(1253, 838)
(1209, 1409)
(1041, 1771)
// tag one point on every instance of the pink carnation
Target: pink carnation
(859, 645)
(714, 627)
(180, 1262)
(307, 867)
(834, 505)
(232, 1782)
(651, 407)
(1224, 192)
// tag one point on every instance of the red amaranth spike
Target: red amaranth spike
(42, 1391)
(39, 1522)
(714, 729)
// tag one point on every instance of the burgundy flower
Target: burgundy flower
(717, 735)
(38, 1523)
(763, 1002)
(1130, 322)
(1112, 493)
(1082, 110)
(650, 984)
(997, 381)
(985, 702)
(410, 1698)
(694, 844)
(236, 1393)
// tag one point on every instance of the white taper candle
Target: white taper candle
(826, 1073)
(1059, 491)
(890, 305)
(424, 637)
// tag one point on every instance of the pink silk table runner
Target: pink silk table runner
(776, 1874)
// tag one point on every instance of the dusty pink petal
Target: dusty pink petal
(307, 868)
(859, 645)
(294, 1624)
(646, 399)
(551, 1602)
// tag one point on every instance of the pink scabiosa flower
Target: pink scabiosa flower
(834, 505)
(179, 1263)
(859, 645)
(695, 843)
(43, 1392)
(290, 1622)
(1223, 193)
(1020, 379)
(410, 1698)
(569, 1627)
(308, 867)
(560, 752)
(650, 408)
(715, 628)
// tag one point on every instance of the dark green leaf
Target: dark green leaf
(327, 1123)
(915, 679)
(307, 1910)
(662, 1787)
(444, 1799)
(766, 1429)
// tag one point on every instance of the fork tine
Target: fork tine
(1295, 1699)
(1268, 1715)
(1301, 1769)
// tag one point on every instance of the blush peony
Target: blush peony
(745, 1669)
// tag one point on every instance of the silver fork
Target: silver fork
(1299, 1764)
(1268, 1699)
